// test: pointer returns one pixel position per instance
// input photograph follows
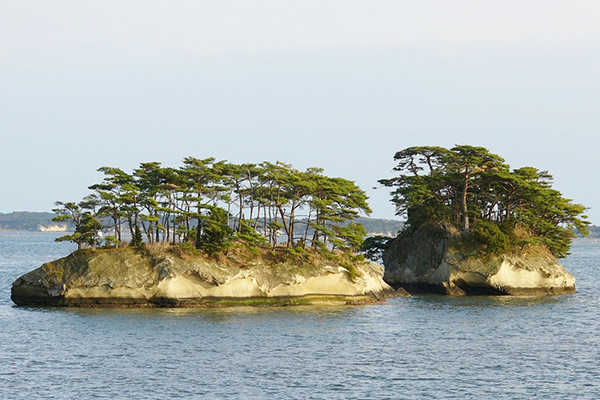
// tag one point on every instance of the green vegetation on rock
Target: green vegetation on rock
(210, 204)
(471, 190)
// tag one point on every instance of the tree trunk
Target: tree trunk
(241, 205)
(465, 208)
(292, 224)
(285, 224)
(315, 240)
(130, 223)
(157, 232)
(305, 237)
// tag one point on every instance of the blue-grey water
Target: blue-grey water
(413, 348)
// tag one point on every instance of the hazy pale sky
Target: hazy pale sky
(341, 85)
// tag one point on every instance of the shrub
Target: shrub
(216, 234)
(490, 234)
(374, 246)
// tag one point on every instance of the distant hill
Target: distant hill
(42, 221)
(594, 231)
(30, 221)
(383, 227)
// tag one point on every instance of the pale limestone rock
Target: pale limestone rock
(433, 260)
(126, 277)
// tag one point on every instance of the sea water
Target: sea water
(423, 347)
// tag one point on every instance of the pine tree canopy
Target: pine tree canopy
(475, 191)
(208, 204)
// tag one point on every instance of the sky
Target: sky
(337, 84)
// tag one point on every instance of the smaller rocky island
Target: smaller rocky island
(474, 226)
(440, 259)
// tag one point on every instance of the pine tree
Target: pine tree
(475, 191)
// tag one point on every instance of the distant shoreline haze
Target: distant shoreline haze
(30, 221)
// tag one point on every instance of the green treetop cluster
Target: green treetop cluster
(475, 191)
(211, 203)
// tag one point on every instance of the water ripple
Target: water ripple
(420, 347)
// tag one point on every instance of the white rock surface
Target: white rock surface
(433, 260)
(127, 278)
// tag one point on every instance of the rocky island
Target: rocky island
(442, 260)
(210, 233)
(476, 227)
(133, 278)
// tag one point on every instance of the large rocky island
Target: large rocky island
(210, 232)
(131, 277)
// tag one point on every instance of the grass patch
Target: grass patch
(53, 272)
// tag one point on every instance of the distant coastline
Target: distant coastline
(29, 221)
(53, 228)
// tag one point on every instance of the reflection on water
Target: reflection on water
(489, 301)
(211, 314)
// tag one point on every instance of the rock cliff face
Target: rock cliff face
(433, 259)
(126, 277)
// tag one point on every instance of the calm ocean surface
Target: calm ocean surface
(417, 348)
